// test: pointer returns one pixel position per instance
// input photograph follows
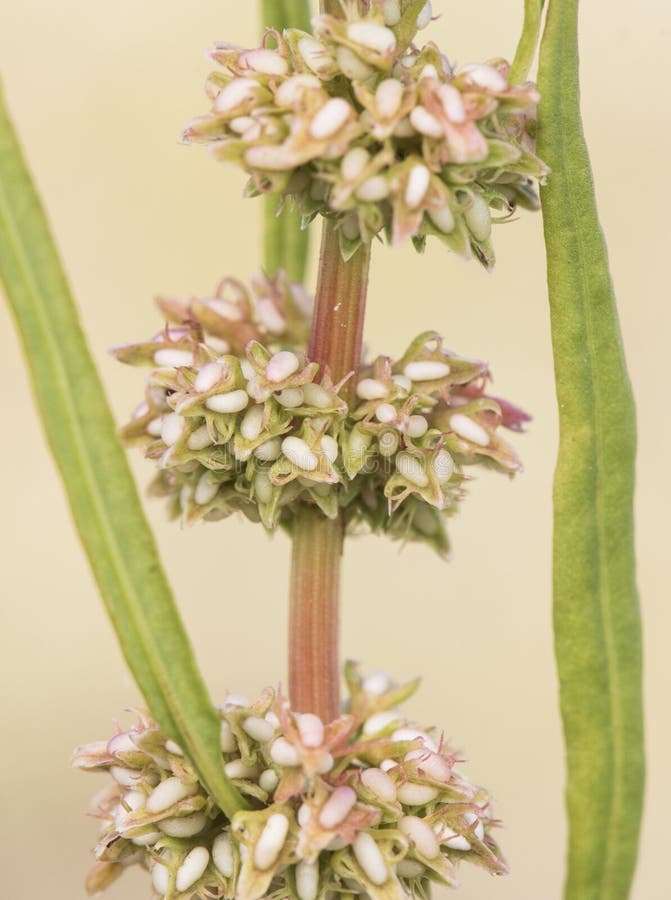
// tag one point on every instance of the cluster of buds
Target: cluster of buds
(238, 419)
(356, 123)
(370, 804)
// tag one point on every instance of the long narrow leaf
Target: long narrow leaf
(596, 615)
(98, 482)
(526, 48)
(285, 243)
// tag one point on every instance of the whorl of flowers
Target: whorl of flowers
(238, 419)
(368, 804)
(356, 122)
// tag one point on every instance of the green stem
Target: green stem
(526, 48)
(335, 343)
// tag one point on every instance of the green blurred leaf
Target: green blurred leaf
(285, 243)
(597, 622)
(98, 482)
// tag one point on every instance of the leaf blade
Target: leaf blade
(101, 493)
(596, 615)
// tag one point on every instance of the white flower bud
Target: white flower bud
(281, 366)
(154, 427)
(403, 382)
(413, 734)
(237, 769)
(184, 826)
(485, 76)
(269, 451)
(307, 880)
(377, 781)
(208, 376)
(228, 742)
(452, 839)
(160, 878)
(265, 62)
(234, 94)
(409, 868)
(314, 395)
(412, 470)
(239, 125)
(392, 12)
(424, 17)
(169, 792)
(429, 71)
(478, 218)
(330, 447)
(172, 426)
(388, 97)
(479, 831)
(192, 869)
(373, 189)
(371, 389)
(173, 359)
(370, 858)
(263, 487)
(293, 89)
(443, 219)
(388, 443)
(417, 186)
(466, 428)
(330, 118)
(371, 36)
(421, 835)
(272, 840)
(387, 764)
(452, 103)
(199, 439)
(337, 807)
(432, 764)
(426, 370)
(224, 308)
(411, 794)
(124, 777)
(231, 402)
(304, 815)
(325, 764)
(283, 753)
(268, 780)
(311, 729)
(353, 163)
(385, 413)
(206, 489)
(426, 123)
(146, 840)
(350, 226)
(222, 854)
(443, 466)
(290, 398)
(315, 55)
(352, 66)
(258, 729)
(379, 721)
(416, 427)
(376, 683)
(297, 451)
(252, 423)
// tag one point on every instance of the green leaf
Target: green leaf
(596, 615)
(102, 496)
(526, 48)
(285, 242)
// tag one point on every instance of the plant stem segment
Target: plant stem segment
(315, 577)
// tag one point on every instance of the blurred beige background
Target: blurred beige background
(99, 93)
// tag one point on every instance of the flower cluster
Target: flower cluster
(357, 123)
(238, 419)
(369, 803)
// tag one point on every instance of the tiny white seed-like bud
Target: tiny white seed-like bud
(417, 186)
(222, 854)
(426, 370)
(443, 466)
(478, 218)
(147, 840)
(281, 366)
(411, 794)
(377, 781)
(268, 780)
(184, 826)
(453, 839)
(311, 729)
(173, 359)
(385, 413)
(371, 389)
(233, 700)
(353, 163)
(388, 97)
(373, 189)
(424, 17)
(124, 777)
(485, 77)
(429, 71)
(352, 66)
(388, 764)
(350, 226)
(160, 878)
(337, 807)
(466, 428)
(307, 880)
(325, 764)
(228, 742)
(443, 219)
(421, 835)
(272, 840)
(171, 429)
(192, 868)
(417, 426)
(239, 125)
(263, 487)
(284, 753)
(376, 683)
(314, 395)
(452, 103)
(304, 815)
(206, 489)
(378, 721)
(330, 118)
(426, 123)
(388, 443)
(314, 55)
(272, 718)
(266, 62)
(224, 308)
(173, 748)
(290, 398)
(258, 729)
(252, 423)
(154, 427)
(269, 451)
(392, 12)
(232, 402)
(297, 451)
(370, 858)
(412, 470)
(234, 93)
(237, 769)
(169, 792)
(470, 818)
(330, 447)
(432, 764)
(413, 734)
(402, 382)
(199, 439)
(208, 376)
(374, 37)
(247, 369)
